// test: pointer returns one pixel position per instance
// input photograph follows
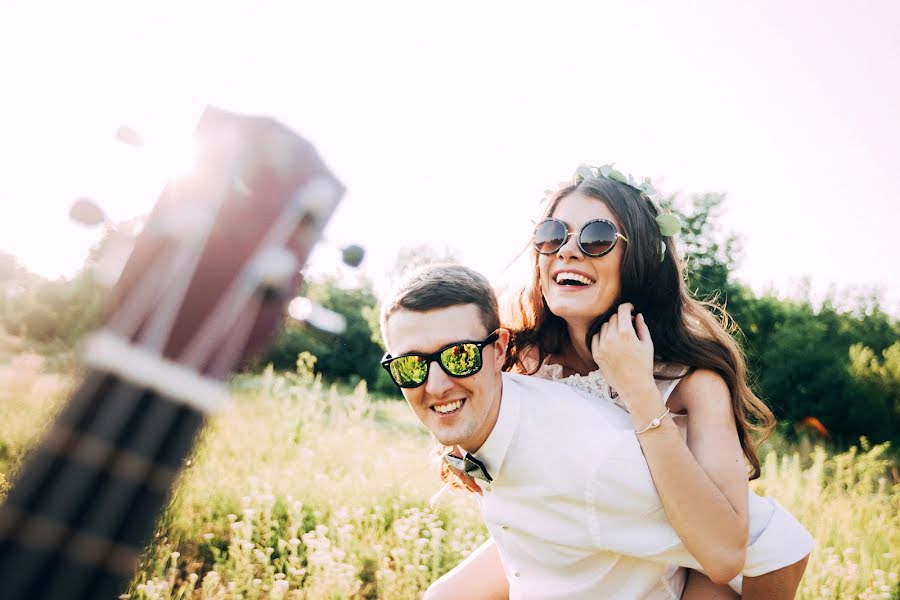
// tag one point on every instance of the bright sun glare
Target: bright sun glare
(123, 175)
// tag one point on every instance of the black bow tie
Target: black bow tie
(469, 465)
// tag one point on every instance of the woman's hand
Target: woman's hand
(624, 353)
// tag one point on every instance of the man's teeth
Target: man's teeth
(563, 277)
(445, 408)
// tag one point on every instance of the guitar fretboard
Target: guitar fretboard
(85, 503)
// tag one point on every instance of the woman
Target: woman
(605, 276)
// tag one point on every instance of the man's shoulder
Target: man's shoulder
(542, 396)
(571, 431)
(529, 387)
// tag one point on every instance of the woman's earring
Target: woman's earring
(662, 250)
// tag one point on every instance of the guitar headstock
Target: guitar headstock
(220, 255)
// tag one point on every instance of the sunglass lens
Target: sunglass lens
(409, 371)
(549, 236)
(597, 237)
(462, 359)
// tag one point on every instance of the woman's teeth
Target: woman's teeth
(572, 278)
(446, 408)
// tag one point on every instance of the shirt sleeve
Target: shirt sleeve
(625, 512)
(777, 538)
(627, 517)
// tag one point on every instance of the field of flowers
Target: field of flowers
(300, 490)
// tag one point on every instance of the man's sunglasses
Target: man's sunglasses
(596, 238)
(459, 359)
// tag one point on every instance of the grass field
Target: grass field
(300, 490)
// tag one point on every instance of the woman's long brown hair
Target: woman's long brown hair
(684, 330)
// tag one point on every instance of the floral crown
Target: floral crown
(668, 223)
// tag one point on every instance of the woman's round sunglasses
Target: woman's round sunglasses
(458, 359)
(596, 238)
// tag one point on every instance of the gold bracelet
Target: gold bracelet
(654, 423)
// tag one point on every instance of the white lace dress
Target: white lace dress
(596, 384)
(672, 583)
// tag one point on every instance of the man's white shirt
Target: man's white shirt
(573, 508)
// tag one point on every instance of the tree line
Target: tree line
(835, 368)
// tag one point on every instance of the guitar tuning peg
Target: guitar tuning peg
(315, 315)
(353, 255)
(274, 268)
(113, 255)
(87, 212)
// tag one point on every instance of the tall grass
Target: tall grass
(300, 490)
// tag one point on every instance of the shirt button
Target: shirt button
(504, 527)
(488, 487)
(516, 573)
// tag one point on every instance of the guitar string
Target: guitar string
(32, 532)
(321, 193)
(239, 331)
(156, 334)
(135, 504)
(147, 292)
(153, 285)
(236, 342)
(34, 471)
(133, 313)
(37, 501)
(221, 359)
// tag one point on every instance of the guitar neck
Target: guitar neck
(204, 286)
(86, 501)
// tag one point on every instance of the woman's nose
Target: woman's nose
(570, 248)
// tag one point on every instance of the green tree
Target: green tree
(349, 356)
(801, 358)
(874, 404)
(709, 256)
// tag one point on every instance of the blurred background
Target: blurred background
(771, 128)
(774, 126)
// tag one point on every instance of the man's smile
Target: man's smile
(448, 408)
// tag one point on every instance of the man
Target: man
(564, 489)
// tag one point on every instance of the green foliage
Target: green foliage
(878, 381)
(832, 364)
(806, 365)
(709, 259)
(669, 224)
(305, 371)
(461, 359)
(56, 312)
(350, 356)
(801, 357)
(343, 510)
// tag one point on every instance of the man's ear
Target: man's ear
(502, 344)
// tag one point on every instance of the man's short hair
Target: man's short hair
(441, 286)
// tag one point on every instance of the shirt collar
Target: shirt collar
(493, 450)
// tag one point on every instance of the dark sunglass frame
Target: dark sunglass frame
(436, 357)
(616, 237)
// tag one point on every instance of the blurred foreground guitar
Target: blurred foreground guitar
(205, 285)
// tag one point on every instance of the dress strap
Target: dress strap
(668, 385)
(668, 389)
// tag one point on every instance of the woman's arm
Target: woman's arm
(480, 576)
(780, 584)
(702, 484)
(700, 587)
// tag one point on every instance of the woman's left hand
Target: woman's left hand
(624, 353)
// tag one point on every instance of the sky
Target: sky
(447, 121)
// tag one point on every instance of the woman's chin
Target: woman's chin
(580, 304)
(575, 314)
